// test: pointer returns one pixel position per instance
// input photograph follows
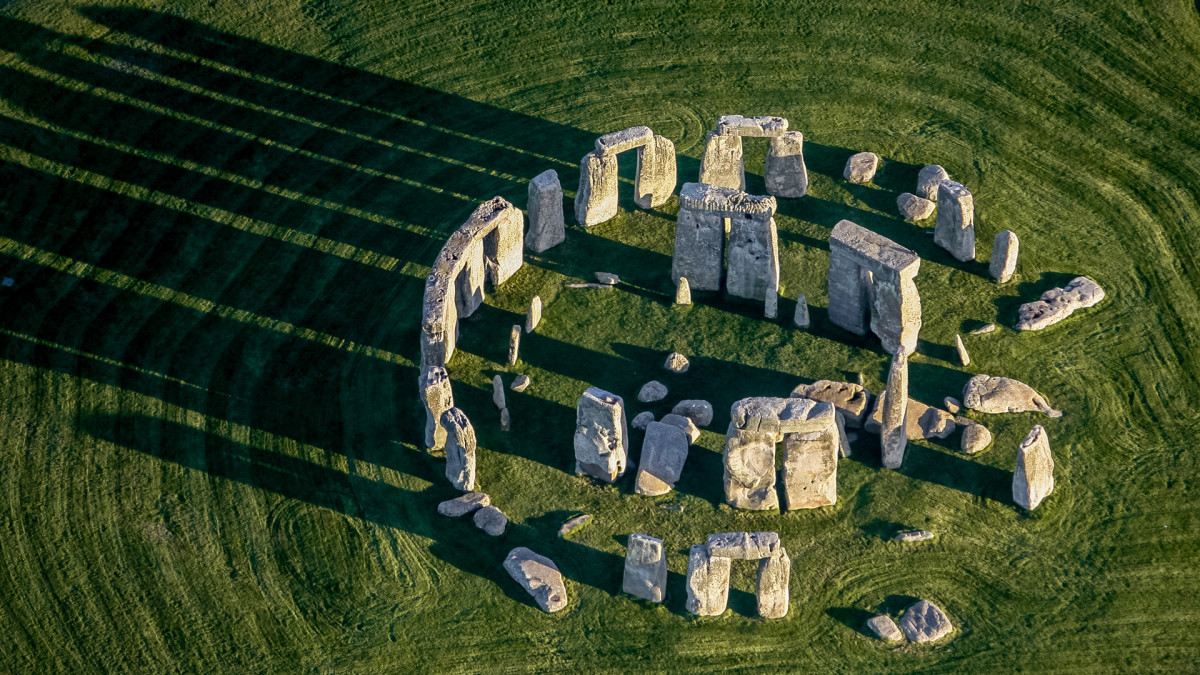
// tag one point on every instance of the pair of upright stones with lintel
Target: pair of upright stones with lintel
(596, 199)
(709, 566)
(954, 229)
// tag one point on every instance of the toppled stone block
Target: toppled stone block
(954, 229)
(683, 292)
(676, 363)
(1057, 304)
(547, 225)
(491, 520)
(596, 198)
(785, 174)
(539, 576)
(915, 535)
(463, 505)
(743, 545)
(652, 391)
(460, 449)
(626, 139)
(685, 423)
(975, 438)
(984, 329)
(801, 318)
(1033, 479)
(534, 316)
(884, 628)
(914, 208)
(722, 162)
(701, 412)
(601, 439)
(894, 403)
(925, 622)
(608, 278)
(438, 397)
(757, 127)
(520, 383)
(1005, 249)
(707, 582)
(774, 576)
(851, 400)
(664, 452)
(860, 168)
(573, 524)
(928, 180)
(645, 568)
(994, 395)
(921, 421)
(642, 420)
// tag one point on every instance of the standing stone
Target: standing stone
(656, 173)
(676, 363)
(894, 432)
(460, 449)
(752, 260)
(785, 173)
(963, 356)
(928, 180)
(722, 163)
(884, 628)
(701, 412)
(498, 393)
(438, 397)
(534, 316)
(860, 168)
(514, 345)
(1033, 479)
(601, 439)
(749, 477)
(683, 292)
(664, 452)
(774, 575)
(1005, 249)
(810, 467)
(547, 227)
(539, 576)
(491, 520)
(645, 568)
(707, 582)
(596, 199)
(925, 622)
(914, 208)
(1057, 304)
(954, 229)
(801, 319)
(771, 305)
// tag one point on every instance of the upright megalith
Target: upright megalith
(656, 173)
(801, 318)
(664, 452)
(872, 283)
(749, 462)
(1005, 249)
(809, 431)
(460, 449)
(707, 582)
(785, 174)
(514, 345)
(596, 198)
(774, 578)
(928, 180)
(706, 214)
(1033, 479)
(438, 397)
(954, 229)
(810, 464)
(752, 262)
(645, 568)
(534, 316)
(722, 164)
(601, 436)
(893, 435)
(547, 226)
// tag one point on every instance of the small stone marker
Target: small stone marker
(975, 438)
(915, 535)
(996, 395)
(801, 318)
(498, 398)
(642, 420)
(491, 520)
(701, 412)
(884, 628)
(539, 576)
(607, 278)
(573, 524)
(505, 420)
(952, 404)
(547, 226)
(925, 622)
(894, 430)
(460, 449)
(914, 208)
(464, 505)
(860, 168)
(1033, 479)
(683, 292)
(645, 568)
(771, 304)
(676, 363)
(1057, 304)
(520, 384)
(984, 329)
(534, 316)
(652, 391)
(514, 344)
(1005, 249)
(963, 357)
(928, 180)
(707, 582)
(921, 421)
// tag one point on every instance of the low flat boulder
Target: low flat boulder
(607, 279)
(652, 392)
(925, 622)
(928, 180)
(860, 168)
(573, 524)
(520, 384)
(642, 420)
(994, 395)
(689, 427)
(915, 535)
(914, 208)
(491, 520)
(664, 452)
(464, 505)
(975, 438)
(851, 400)
(884, 628)
(539, 576)
(1057, 304)
(701, 412)
(984, 329)
(921, 421)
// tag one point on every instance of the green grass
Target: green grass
(219, 216)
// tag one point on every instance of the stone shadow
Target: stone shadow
(853, 618)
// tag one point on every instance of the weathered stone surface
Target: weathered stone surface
(596, 199)
(534, 316)
(780, 416)
(954, 229)
(921, 421)
(1005, 249)
(1057, 304)
(743, 545)
(505, 420)
(656, 173)
(860, 168)
(872, 276)
(752, 262)
(701, 412)
(963, 357)
(771, 302)
(914, 208)
(438, 397)
(460, 449)
(573, 524)
(683, 292)
(722, 163)
(894, 431)
(491, 520)
(464, 505)
(626, 139)
(928, 180)
(707, 582)
(504, 244)
(975, 438)
(915, 535)
(951, 404)
(758, 127)
(520, 383)
(608, 278)
(749, 462)
(498, 398)
(884, 628)
(514, 345)
(642, 420)
(1033, 479)
(547, 225)
(652, 391)
(994, 395)
(774, 576)
(699, 247)
(785, 173)
(801, 318)
(984, 329)
(851, 400)
(689, 427)
(925, 622)
(645, 568)
(539, 576)
(844, 439)
(601, 440)
(664, 452)
(706, 214)
(810, 467)
(676, 363)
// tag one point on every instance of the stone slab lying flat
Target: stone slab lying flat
(1057, 304)
(539, 576)
(464, 505)
(925, 622)
(994, 395)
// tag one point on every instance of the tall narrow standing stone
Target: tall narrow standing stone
(438, 397)
(498, 393)
(1033, 479)
(596, 199)
(894, 433)
(645, 568)
(534, 317)
(801, 319)
(785, 174)
(514, 345)
(707, 582)
(547, 227)
(1005, 248)
(601, 436)
(683, 292)
(954, 229)
(460, 449)
(656, 173)
(722, 163)
(963, 356)
(774, 575)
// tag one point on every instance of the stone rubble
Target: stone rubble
(1033, 479)
(984, 329)
(645, 568)
(601, 439)
(951, 404)
(463, 505)
(608, 278)
(652, 391)
(915, 535)
(921, 421)
(539, 576)
(995, 395)
(689, 427)
(547, 226)
(954, 229)
(1057, 304)
(1005, 249)
(860, 168)
(588, 285)
(491, 520)
(914, 208)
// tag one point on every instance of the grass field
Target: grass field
(218, 217)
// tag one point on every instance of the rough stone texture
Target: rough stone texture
(573, 524)
(1005, 249)
(928, 180)
(707, 582)
(914, 208)
(921, 421)
(676, 363)
(975, 438)
(925, 622)
(722, 163)
(505, 420)
(464, 505)
(801, 318)
(460, 449)
(498, 398)
(955, 226)
(689, 427)
(757, 424)
(951, 404)
(994, 395)
(785, 173)
(774, 575)
(699, 254)
(491, 520)
(844, 439)
(608, 278)
(780, 415)
(749, 462)
(534, 316)
(872, 276)
(539, 576)
(642, 420)
(810, 463)
(438, 397)
(894, 429)
(757, 127)
(652, 391)
(664, 452)
(851, 400)
(596, 199)
(984, 329)
(1033, 479)
(645, 568)
(514, 345)
(743, 545)
(700, 412)
(860, 168)
(884, 628)
(520, 383)
(752, 262)
(915, 535)
(963, 357)
(683, 292)
(626, 139)
(656, 173)
(601, 440)
(706, 214)
(1057, 304)
(547, 226)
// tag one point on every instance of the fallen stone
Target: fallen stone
(915, 535)
(1057, 304)
(652, 391)
(860, 168)
(843, 437)
(491, 520)
(672, 507)
(642, 419)
(1005, 249)
(539, 576)
(520, 383)
(645, 568)
(689, 427)
(676, 363)
(884, 628)
(928, 180)
(1033, 479)
(700, 411)
(505, 420)
(921, 421)
(954, 229)
(573, 524)
(785, 174)
(774, 576)
(460, 449)
(547, 225)
(851, 400)
(994, 395)
(683, 292)
(914, 208)
(975, 438)
(963, 357)
(601, 440)
(534, 316)
(707, 582)
(801, 318)
(498, 398)
(872, 286)
(894, 412)
(664, 452)
(952, 405)
(984, 329)
(588, 285)
(925, 622)
(514, 345)
(464, 505)
(743, 545)
(606, 278)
